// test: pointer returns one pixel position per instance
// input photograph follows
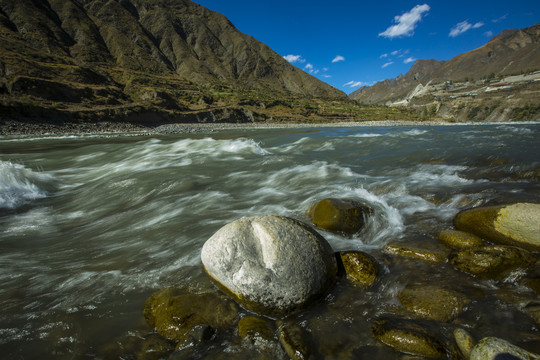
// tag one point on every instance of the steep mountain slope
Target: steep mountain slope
(511, 52)
(160, 36)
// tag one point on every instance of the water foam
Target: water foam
(19, 185)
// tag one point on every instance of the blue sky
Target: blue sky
(350, 43)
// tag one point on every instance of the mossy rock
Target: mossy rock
(515, 225)
(342, 216)
(433, 302)
(415, 253)
(360, 268)
(464, 341)
(408, 337)
(174, 312)
(295, 340)
(253, 328)
(459, 239)
(155, 347)
(492, 262)
(492, 348)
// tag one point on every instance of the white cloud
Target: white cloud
(295, 59)
(308, 67)
(463, 27)
(387, 64)
(326, 76)
(395, 52)
(409, 60)
(354, 84)
(383, 56)
(338, 58)
(324, 69)
(488, 34)
(406, 23)
(500, 19)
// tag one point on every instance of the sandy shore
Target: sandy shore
(18, 128)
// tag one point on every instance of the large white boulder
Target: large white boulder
(270, 264)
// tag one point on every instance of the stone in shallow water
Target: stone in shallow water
(175, 312)
(360, 268)
(339, 215)
(464, 341)
(253, 328)
(408, 337)
(516, 224)
(492, 262)
(433, 302)
(295, 340)
(270, 264)
(459, 239)
(492, 348)
(415, 253)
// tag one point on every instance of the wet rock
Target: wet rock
(342, 216)
(155, 347)
(270, 264)
(254, 328)
(295, 340)
(459, 239)
(196, 336)
(516, 225)
(175, 312)
(420, 254)
(492, 262)
(492, 348)
(360, 268)
(408, 337)
(433, 302)
(464, 341)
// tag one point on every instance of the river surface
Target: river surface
(91, 226)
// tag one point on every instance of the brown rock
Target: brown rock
(433, 302)
(174, 312)
(492, 262)
(421, 254)
(515, 225)
(459, 239)
(339, 215)
(360, 268)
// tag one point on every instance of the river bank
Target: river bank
(50, 128)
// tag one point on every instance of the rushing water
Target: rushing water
(90, 226)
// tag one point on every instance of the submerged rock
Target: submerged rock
(459, 239)
(360, 268)
(254, 328)
(175, 312)
(492, 348)
(420, 254)
(492, 262)
(408, 337)
(295, 340)
(516, 225)
(339, 215)
(433, 302)
(270, 264)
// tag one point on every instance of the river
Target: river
(91, 226)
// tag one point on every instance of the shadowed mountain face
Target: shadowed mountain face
(510, 52)
(161, 37)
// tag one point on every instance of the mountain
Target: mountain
(175, 54)
(432, 82)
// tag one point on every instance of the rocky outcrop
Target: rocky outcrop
(270, 264)
(516, 224)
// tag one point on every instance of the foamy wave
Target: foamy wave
(19, 185)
